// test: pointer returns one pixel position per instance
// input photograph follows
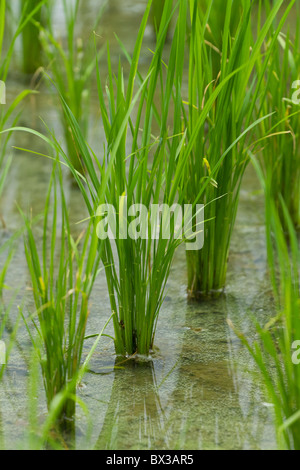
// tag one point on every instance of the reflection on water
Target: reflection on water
(199, 391)
(134, 418)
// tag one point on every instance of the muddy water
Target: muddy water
(199, 391)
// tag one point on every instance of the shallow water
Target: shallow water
(199, 390)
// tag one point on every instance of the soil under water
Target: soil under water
(199, 389)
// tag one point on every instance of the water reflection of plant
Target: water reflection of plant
(214, 414)
(134, 410)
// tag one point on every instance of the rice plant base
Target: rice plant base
(206, 279)
(196, 296)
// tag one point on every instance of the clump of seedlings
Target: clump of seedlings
(134, 172)
(62, 272)
(136, 266)
(218, 142)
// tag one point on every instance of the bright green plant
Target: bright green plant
(281, 154)
(24, 19)
(223, 128)
(137, 273)
(47, 435)
(137, 270)
(216, 23)
(62, 277)
(156, 13)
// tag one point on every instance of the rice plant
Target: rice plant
(47, 435)
(156, 13)
(276, 351)
(62, 277)
(71, 67)
(136, 268)
(31, 44)
(280, 154)
(214, 29)
(223, 130)
(147, 174)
